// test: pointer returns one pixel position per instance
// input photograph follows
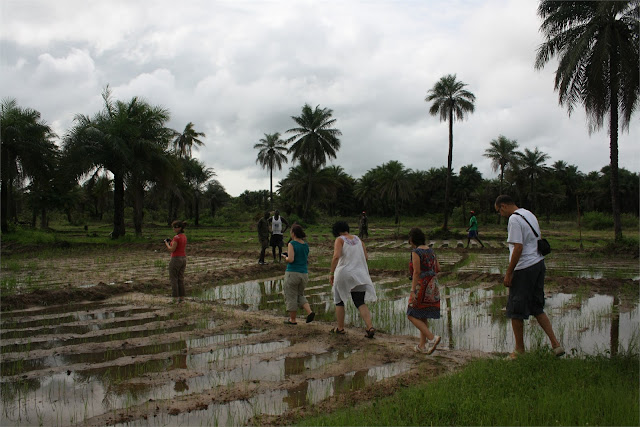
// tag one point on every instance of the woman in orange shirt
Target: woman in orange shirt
(178, 261)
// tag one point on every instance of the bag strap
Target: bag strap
(525, 219)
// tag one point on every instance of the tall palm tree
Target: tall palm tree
(295, 186)
(26, 148)
(450, 101)
(597, 45)
(394, 183)
(196, 175)
(314, 140)
(532, 164)
(271, 154)
(188, 138)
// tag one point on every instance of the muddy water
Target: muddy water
(473, 318)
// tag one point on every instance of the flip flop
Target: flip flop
(370, 332)
(289, 322)
(337, 331)
(310, 317)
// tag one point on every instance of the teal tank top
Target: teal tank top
(300, 255)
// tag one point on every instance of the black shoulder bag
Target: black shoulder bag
(543, 245)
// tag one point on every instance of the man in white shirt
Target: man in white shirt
(278, 226)
(525, 274)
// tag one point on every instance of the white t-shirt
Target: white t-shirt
(276, 225)
(520, 232)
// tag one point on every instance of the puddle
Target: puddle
(124, 335)
(276, 402)
(53, 320)
(80, 329)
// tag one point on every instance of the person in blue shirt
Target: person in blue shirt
(296, 276)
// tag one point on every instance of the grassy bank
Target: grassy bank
(536, 389)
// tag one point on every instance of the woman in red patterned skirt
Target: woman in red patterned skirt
(424, 300)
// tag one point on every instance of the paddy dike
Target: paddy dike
(93, 352)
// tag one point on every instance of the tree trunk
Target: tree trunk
(196, 208)
(118, 206)
(613, 131)
(138, 207)
(271, 185)
(4, 192)
(500, 189)
(307, 204)
(448, 181)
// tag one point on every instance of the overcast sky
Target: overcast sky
(240, 69)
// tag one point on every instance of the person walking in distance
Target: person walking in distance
(363, 224)
(263, 236)
(525, 274)
(278, 227)
(177, 247)
(473, 229)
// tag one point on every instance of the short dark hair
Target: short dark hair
(504, 199)
(417, 237)
(339, 227)
(297, 231)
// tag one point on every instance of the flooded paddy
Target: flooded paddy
(225, 356)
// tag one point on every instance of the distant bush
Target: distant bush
(597, 221)
(629, 220)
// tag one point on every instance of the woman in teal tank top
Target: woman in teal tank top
(296, 276)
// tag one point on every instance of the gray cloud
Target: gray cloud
(241, 69)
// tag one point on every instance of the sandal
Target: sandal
(337, 331)
(419, 349)
(370, 332)
(289, 322)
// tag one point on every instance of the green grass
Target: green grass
(536, 389)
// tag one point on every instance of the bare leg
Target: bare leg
(292, 316)
(340, 316)
(545, 323)
(366, 315)
(307, 307)
(518, 333)
(425, 332)
(478, 239)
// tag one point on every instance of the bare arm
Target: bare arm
(515, 257)
(337, 253)
(290, 254)
(364, 248)
(171, 247)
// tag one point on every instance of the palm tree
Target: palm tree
(128, 140)
(314, 141)
(394, 183)
(196, 175)
(183, 142)
(532, 165)
(501, 152)
(271, 154)
(303, 179)
(450, 100)
(26, 149)
(365, 190)
(597, 44)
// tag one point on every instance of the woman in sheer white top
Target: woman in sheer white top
(349, 276)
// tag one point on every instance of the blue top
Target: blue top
(300, 255)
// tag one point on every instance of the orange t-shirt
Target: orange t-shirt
(182, 245)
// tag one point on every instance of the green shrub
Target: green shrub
(629, 220)
(597, 221)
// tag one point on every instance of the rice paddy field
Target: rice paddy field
(89, 334)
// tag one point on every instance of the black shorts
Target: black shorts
(357, 297)
(526, 294)
(277, 240)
